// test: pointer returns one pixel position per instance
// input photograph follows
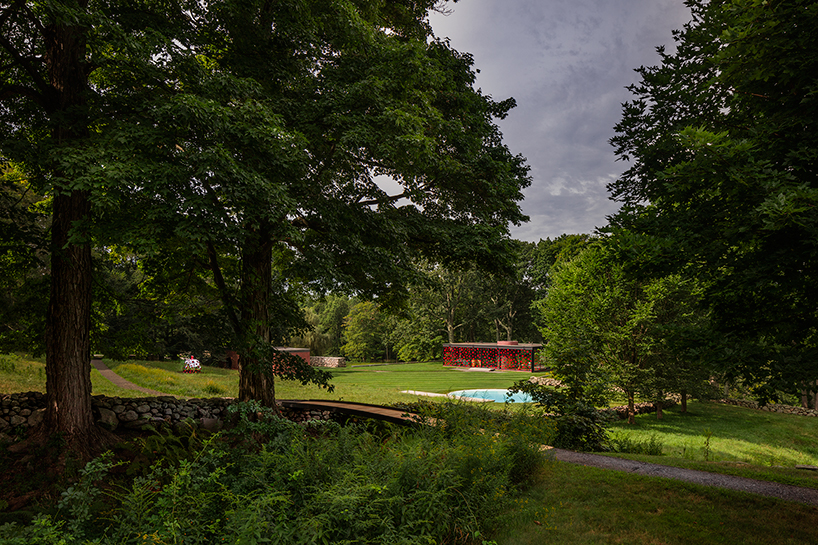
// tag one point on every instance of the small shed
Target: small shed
(303, 353)
(502, 355)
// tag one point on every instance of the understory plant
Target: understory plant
(578, 425)
(269, 480)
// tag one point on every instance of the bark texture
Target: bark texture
(68, 324)
(254, 384)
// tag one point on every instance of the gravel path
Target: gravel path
(765, 488)
(119, 381)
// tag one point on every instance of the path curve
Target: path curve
(119, 381)
(798, 494)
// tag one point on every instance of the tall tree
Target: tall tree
(56, 60)
(295, 114)
(547, 254)
(364, 332)
(510, 294)
(723, 181)
(603, 327)
(23, 261)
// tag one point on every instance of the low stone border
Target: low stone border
(326, 361)
(771, 407)
(26, 410)
(650, 407)
(621, 412)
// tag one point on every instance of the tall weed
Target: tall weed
(622, 443)
(8, 362)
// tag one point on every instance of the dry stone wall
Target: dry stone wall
(325, 361)
(24, 410)
(772, 407)
(641, 408)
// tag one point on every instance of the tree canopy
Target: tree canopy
(249, 134)
(722, 139)
(604, 328)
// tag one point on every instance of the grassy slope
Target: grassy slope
(732, 440)
(737, 434)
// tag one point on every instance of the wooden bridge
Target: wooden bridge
(387, 414)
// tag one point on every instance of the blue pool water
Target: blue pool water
(492, 395)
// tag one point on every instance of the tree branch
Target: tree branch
(14, 91)
(388, 199)
(4, 16)
(226, 297)
(23, 61)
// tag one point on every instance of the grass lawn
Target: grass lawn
(26, 374)
(574, 504)
(380, 384)
(731, 440)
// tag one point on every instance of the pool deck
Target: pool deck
(431, 394)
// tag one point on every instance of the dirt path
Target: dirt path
(764, 488)
(119, 381)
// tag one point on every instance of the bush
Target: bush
(579, 426)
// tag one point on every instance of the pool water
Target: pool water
(498, 396)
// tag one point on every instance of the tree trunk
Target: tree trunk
(815, 398)
(255, 381)
(684, 401)
(631, 408)
(68, 323)
(659, 406)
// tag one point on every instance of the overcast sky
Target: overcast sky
(567, 63)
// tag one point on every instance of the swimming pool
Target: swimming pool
(498, 396)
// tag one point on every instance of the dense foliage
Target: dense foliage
(245, 139)
(269, 480)
(722, 186)
(605, 330)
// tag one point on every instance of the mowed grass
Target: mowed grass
(711, 437)
(572, 504)
(731, 440)
(27, 374)
(379, 384)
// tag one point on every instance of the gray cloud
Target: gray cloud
(567, 65)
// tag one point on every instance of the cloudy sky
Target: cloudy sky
(567, 63)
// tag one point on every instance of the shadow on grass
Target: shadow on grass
(714, 431)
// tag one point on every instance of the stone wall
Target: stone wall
(21, 411)
(772, 407)
(324, 361)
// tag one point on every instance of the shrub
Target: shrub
(579, 426)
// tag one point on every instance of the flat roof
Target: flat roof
(494, 345)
